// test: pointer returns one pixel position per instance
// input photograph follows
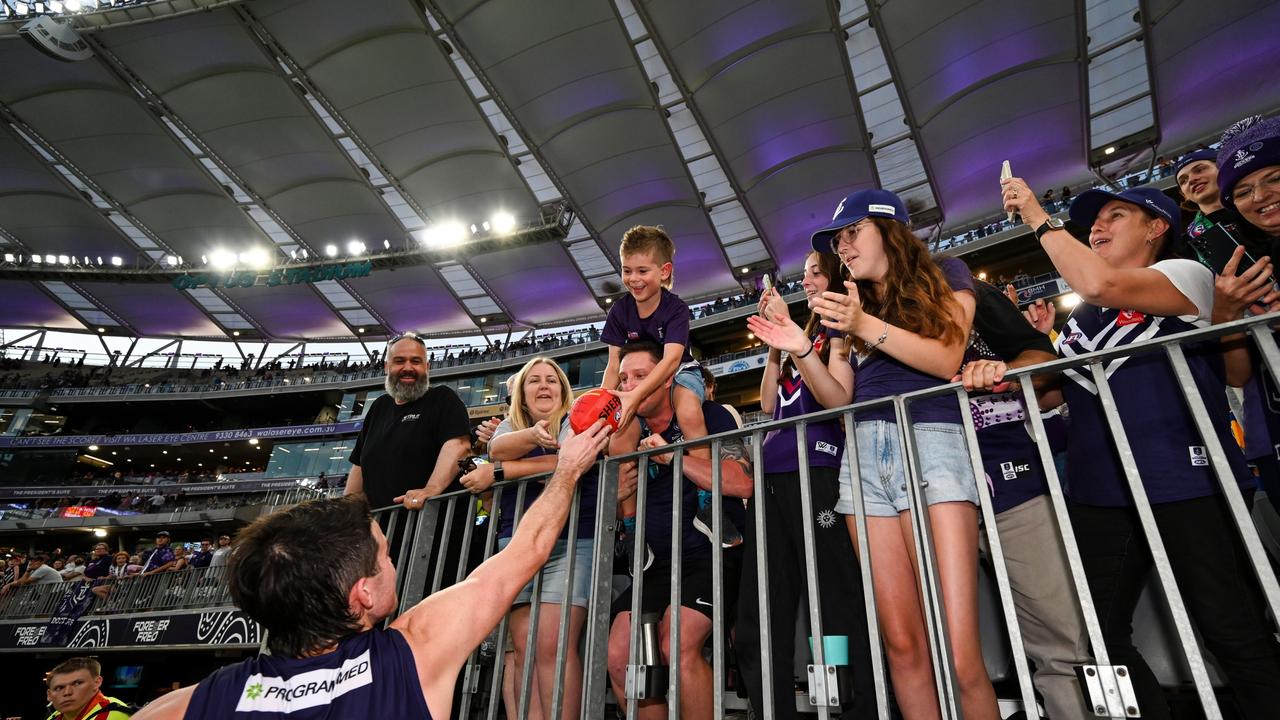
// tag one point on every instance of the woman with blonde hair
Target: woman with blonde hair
(524, 444)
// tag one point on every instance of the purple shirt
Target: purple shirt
(587, 487)
(98, 567)
(669, 323)
(159, 557)
(880, 376)
(825, 438)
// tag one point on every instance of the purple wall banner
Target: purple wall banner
(267, 433)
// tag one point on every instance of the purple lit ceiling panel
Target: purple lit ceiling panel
(155, 309)
(572, 81)
(290, 312)
(1044, 146)
(537, 283)
(770, 80)
(985, 84)
(423, 126)
(413, 298)
(1212, 67)
(700, 267)
(25, 305)
(797, 199)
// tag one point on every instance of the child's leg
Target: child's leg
(688, 407)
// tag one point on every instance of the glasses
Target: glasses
(1271, 183)
(407, 336)
(853, 229)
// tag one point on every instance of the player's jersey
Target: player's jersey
(371, 674)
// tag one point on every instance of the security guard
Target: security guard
(74, 689)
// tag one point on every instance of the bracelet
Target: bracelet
(806, 353)
(880, 340)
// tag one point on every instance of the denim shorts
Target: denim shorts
(690, 376)
(944, 461)
(553, 574)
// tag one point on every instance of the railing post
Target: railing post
(595, 659)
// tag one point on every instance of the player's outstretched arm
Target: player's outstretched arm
(170, 706)
(443, 629)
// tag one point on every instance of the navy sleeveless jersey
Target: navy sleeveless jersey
(371, 674)
(1170, 455)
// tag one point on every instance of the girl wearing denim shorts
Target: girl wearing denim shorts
(908, 317)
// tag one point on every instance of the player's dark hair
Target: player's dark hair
(644, 346)
(292, 571)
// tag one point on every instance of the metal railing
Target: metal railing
(191, 588)
(1105, 688)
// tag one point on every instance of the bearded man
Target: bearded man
(413, 437)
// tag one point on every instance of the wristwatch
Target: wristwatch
(1052, 223)
(498, 474)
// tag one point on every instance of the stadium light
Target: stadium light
(386, 244)
(116, 261)
(102, 330)
(503, 222)
(1111, 149)
(50, 259)
(8, 257)
(220, 259)
(442, 234)
(36, 259)
(173, 260)
(64, 260)
(256, 258)
(93, 448)
(99, 533)
(355, 247)
(331, 250)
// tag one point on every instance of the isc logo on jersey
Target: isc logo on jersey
(1010, 470)
(306, 690)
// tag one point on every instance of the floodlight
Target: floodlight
(1110, 150)
(221, 259)
(442, 234)
(256, 258)
(355, 247)
(50, 259)
(386, 244)
(8, 257)
(64, 260)
(331, 250)
(503, 222)
(116, 261)
(36, 259)
(173, 260)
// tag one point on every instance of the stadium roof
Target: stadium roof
(293, 126)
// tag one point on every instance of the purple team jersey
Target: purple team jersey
(667, 324)
(825, 438)
(880, 376)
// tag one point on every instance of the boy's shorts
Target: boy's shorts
(690, 376)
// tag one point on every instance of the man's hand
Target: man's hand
(1232, 293)
(1041, 315)
(581, 450)
(628, 479)
(484, 431)
(478, 480)
(983, 375)
(656, 441)
(414, 499)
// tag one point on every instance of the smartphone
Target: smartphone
(1215, 246)
(766, 283)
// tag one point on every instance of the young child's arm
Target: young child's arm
(662, 372)
(610, 381)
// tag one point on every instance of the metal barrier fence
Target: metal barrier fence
(192, 588)
(1106, 687)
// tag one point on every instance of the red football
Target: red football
(593, 405)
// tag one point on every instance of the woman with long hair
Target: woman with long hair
(524, 444)
(814, 375)
(908, 318)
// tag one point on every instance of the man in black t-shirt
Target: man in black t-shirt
(413, 437)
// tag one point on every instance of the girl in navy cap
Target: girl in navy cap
(907, 317)
(1129, 294)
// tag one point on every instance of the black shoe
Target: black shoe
(730, 535)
